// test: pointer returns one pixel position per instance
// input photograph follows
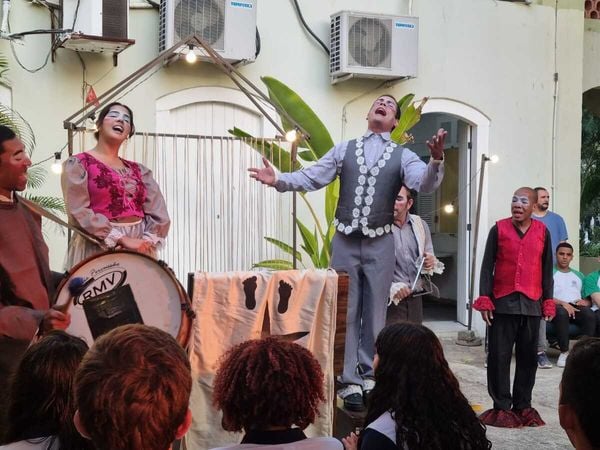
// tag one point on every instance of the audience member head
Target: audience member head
(415, 383)
(543, 199)
(132, 390)
(564, 255)
(521, 206)
(267, 383)
(41, 399)
(14, 162)
(579, 405)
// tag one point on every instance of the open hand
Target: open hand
(436, 144)
(266, 175)
(571, 310)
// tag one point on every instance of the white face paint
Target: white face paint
(116, 114)
(520, 200)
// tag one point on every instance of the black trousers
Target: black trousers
(510, 330)
(410, 309)
(585, 319)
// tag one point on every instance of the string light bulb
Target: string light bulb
(291, 135)
(449, 208)
(494, 159)
(56, 166)
(191, 57)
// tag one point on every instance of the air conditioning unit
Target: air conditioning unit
(373, 46)
(228, 26)
(100, 18)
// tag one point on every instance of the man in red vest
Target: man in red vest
(515, 292)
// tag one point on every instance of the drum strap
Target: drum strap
(54, 218)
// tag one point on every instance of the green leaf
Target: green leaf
(53, 204)
(409, 119)
(311, 245)
(307, 156)
(285, 247)
(275, 264)
(404, 102)
(12, 119)
(278, 156)
(320, 141)
(36, 176)
(332, 195)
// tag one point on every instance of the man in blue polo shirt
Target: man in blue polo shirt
(558, 233)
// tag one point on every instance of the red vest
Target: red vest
(519, 260)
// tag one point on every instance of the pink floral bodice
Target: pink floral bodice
(115, 194)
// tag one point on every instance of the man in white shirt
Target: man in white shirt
(570, 307)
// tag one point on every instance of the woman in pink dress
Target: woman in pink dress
(116, 200)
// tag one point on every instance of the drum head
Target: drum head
(122, 287)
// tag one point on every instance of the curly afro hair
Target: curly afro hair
(268, 382)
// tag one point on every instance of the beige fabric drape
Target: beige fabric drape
(230, 308)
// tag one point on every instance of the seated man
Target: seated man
(570, 307)
(578, 406)
(412, 241)
(591, 294)
(132, 390)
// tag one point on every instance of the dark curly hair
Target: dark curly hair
(413, 382)
(41, 396)
(268, 382)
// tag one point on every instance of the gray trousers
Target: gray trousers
(542, 342)
(370, 266)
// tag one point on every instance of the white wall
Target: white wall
(495, 56)
(591, 54)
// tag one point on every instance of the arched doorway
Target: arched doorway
(450, 211)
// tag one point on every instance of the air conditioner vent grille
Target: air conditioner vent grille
(162, 26)
(205, 18)
(369, 42)
(334, 57)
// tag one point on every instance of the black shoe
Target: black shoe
(354, 402)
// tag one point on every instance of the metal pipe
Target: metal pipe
(484, 160)
(294, 152)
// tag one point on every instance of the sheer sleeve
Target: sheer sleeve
(156, 217)
(74, 182)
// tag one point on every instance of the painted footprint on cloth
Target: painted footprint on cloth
(250, 292)
(285, 292)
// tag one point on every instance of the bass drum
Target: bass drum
(121, 287)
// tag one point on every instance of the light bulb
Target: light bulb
(291, 135)
(494, 159)
(449, 208)
(191, 57)
(56, 166)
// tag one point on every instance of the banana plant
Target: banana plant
(316, 239)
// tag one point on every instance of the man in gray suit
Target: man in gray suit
(372, 169)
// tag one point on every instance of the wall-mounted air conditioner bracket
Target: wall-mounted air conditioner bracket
(94, 44)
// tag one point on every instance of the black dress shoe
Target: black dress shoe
(354, 402)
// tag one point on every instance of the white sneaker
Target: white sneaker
(368, 385)
(562, 359)
(348, 390)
